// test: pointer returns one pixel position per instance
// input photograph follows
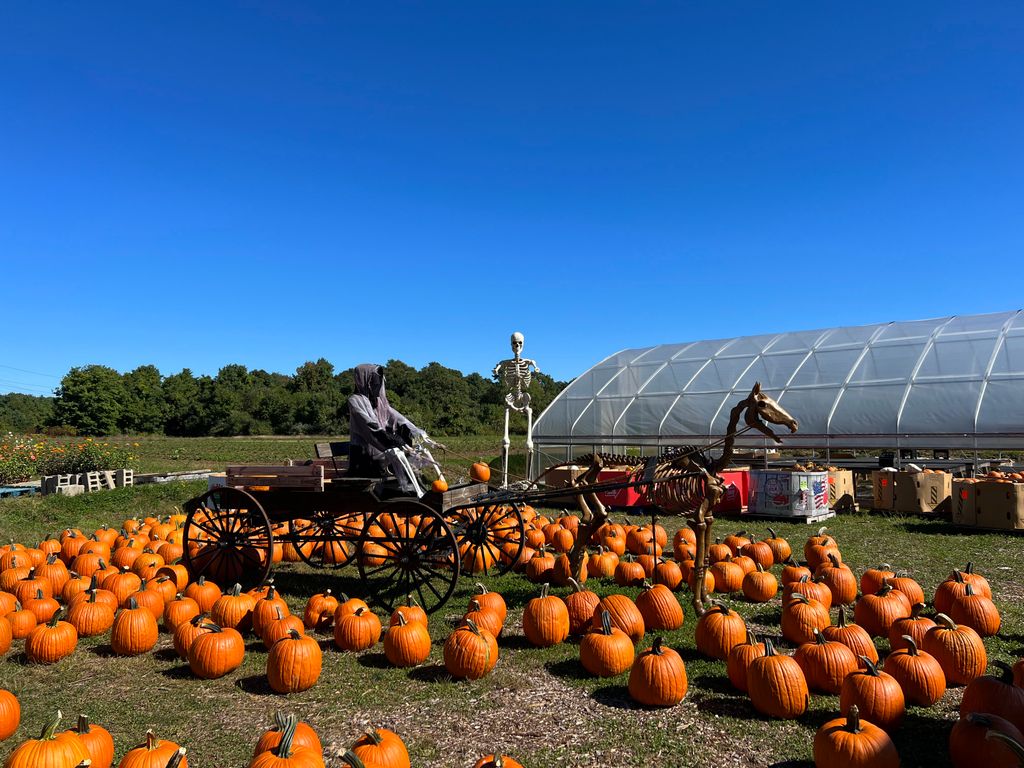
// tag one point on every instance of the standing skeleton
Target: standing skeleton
(515, 375)
(683, 481)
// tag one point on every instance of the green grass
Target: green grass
(537, 704)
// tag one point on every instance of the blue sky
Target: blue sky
(191, 185)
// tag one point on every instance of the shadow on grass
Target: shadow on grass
(568, 668)
(105, 651)
(715, 684)
(430, 673)
(180, 672)
(616, 696)
(516, 643)
(732, 706)
(258, 685)
(166, 654)
(793, 764)
(373, 660)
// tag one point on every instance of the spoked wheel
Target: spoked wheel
(408, 549)
(326, 539)
(491, 537)
(227, 538)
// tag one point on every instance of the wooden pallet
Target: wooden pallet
(809, 519)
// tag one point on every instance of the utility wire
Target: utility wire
(25, 370)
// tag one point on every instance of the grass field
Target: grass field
(537, 704)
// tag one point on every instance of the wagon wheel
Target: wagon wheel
(326, 539)
(407, 548)
(227, 538)
(491, 538)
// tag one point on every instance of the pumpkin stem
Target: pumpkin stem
(967, 591)
(55, 618)
(772, 533)
(1014, 745)
(870, 667)
(83, 724)
(544, 590)
(284, 747)
(606, 623)
(373, 735)
(349, 758)
(361, 610)
(293, 633)
(410, 601)
(210, 626)
(474, 605)
(853, 718)
(945, 621)
(236, 590)
(911, 645)
(471, 625)
(819, 638)
(751, 638)
(401, 619)
(656, 646)
(969, 568)
(769, 647)
(51, 726)
(575, 585)
(885, 589)
(132, 604)
(151, 740)
(176, 758)
(916, 609)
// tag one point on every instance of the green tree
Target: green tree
(91, 399)
(145, 407)
(24, 413)
(186, 408)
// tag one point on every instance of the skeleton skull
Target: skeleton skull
(517, 343)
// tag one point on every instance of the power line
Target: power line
(23, 385)
(25, 370)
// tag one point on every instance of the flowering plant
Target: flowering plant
(23, 457)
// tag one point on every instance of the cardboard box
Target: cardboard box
(882, 487)
(788, 494)
(923, 493)
(841, 494)
(999, 505)
(963, 503)
(562, 478)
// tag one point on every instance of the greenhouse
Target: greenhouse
(952, 382)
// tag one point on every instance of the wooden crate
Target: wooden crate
(307, 477)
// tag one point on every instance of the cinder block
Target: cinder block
(124, 477)
(93, 482)
(70, 490)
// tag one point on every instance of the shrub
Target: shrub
(24, 457)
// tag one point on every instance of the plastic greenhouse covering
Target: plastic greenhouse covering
(952, 382)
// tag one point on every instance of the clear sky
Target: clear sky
(195, 184)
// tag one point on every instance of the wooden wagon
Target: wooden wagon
(399, 544)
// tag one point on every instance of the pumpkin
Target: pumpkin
(629, 573)
(179, 609)
(625, 615)
(357, 631)
(381, 747)
(825, 663)
(148, 598)
(659, 608)
(264, 611)
(818, 549)
(852, 636)
(718, 630)
(995, 696)
(970, 744)
(22, 622)
(918, 673)
(546, 620)
(760, 552)
(97, 742)
(781, 549)
(876, 694)
(728, 576)
(908, 586)
(839, 579)
(216, 651)
(793, 571)
(740, 658)
(304, 736)
(320, 610)
(286, 753)
(561, 571)
(233, 610)
(718, 552)
(54, 571)
(873, 578)
(480, 472)
(958, 649)
(581, 604)
(606, 651)
(760, 586)
(134, 630)
(658, 676)
(854, 743)
(776, 684)
(974, 610)
(439, 486)
(736, 541)
(601, 564)
(89, 617)
(491, 600)
(204, 592)
(407, 644)
(294, 662)
(43, 607)
(541, 566)
(668, 573)
(877, 612)
(50, 750)
(10, 714)
(801, 617)
(50, 642)
(497, 761)
(810, 588)
(6, 635)
(470, 652)
(914, 625)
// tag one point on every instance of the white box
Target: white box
(773, 492)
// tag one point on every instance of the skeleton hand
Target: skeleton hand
(429, 441)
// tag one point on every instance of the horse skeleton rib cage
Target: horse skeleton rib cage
(685, 481)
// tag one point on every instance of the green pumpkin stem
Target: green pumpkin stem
(472, 625)
(657, 646)
(945, 621)
(606, 622)
(769, 647)
(373, 735)
(869, 666)
(544, 590)
(294, 634)
(236, 590)
(349, 758)
(51, 726)
(1015, 746)
(911, 645)
(176, 758)
(284, 747)
(83, 724)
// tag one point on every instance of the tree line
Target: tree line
(98, 400)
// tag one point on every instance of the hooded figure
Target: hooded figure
(374, 426)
